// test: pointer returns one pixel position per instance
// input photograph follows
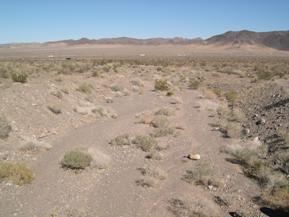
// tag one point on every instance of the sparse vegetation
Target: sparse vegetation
(160, 122)
(115, 88)
(231, 96)
(145, 143)
(147, 182)
(201, 175)
(194, 84)
(164, 131)
(121, 140)
(76, 160)
(85, 88)
(181, 209)
(5, 128)
(16, 173)
(154, 172)
(164, 112)
(19, 77)
(162, 85)
(273, 183)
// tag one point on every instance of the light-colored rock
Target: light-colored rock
(100, 159)
(194, 156)
(256, 141)
(108, 100)
(84, 110)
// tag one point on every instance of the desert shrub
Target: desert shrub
(284, 134)
(95, 74)
(233, 130)
(263, 73)
(164, 112)
(274, 185)
(147, 182)
(162, 85)
(115, 88)
(54, 109)
(160, 122)
(181, 209)
(154, 172)
(201, 175)
(76, 160)
(278, 197)
(223, 111)
(16, 173)
(237, 115)
(217, 91)
(194, 84)
(163, 131)
(281, 161)
(85, 88)
(20, 77)
(231, 96)
(252, 165)
(5, 128)
(121, 140)
(145, 143)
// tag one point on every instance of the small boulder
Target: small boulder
(194, 157)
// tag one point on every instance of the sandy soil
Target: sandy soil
(113, 192)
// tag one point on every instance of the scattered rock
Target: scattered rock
(194, 157)
(108, 100)
(221, 201)
(237, 214)
(84, 110)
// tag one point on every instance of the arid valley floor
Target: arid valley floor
(175, 135)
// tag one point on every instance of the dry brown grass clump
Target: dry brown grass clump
(154, 172)
(202, 174)
(151, 176)
(144, 142)
(164, 131)
(181, 209)
(121, 140)
(194, 84)
(164, 112)
(19, 77)
(85, 88)
(162, 85)
(160, 122)
(230, 122)
(16, 173)
(5, 128)
(274, 184)
(231, 97)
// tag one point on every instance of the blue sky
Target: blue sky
(40, 20)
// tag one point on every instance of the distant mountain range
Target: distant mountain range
(131, 41)
(276, 40)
